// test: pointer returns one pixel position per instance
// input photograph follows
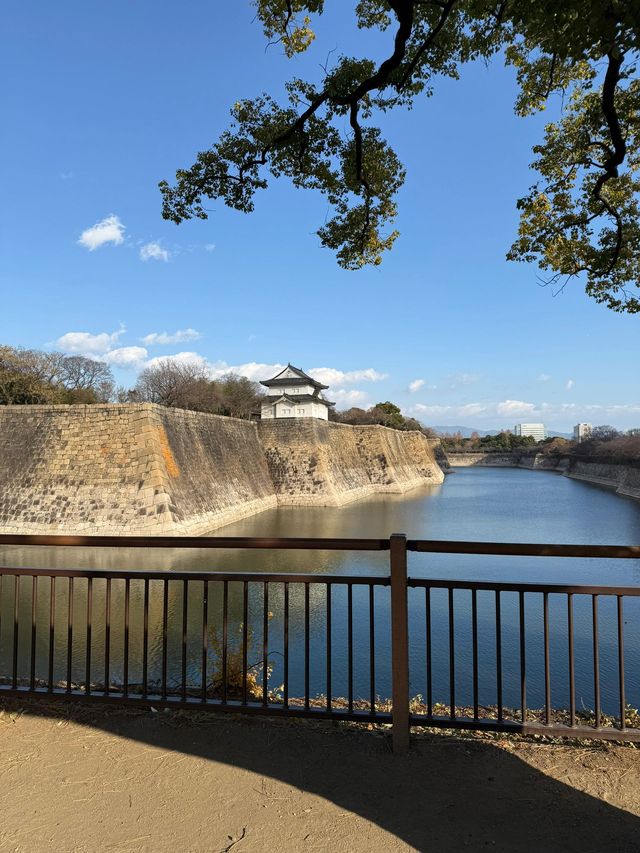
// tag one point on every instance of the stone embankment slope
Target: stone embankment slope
(119, 469)
(486, 460)
(329, 464)
(143, 469)
(623, 477)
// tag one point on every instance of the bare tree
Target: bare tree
(28, 377)
(181, 385)
(238, 396)
(78, 373)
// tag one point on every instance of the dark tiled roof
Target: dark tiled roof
(302, 379)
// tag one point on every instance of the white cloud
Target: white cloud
(570, 384)
(84, 343)
(153, 251)
(505, 413)
(506, 408)
(103, 347)
(256, 371)
(126, 357)
(109, 230)
(155, 338)
(515, 407)
(351, 397)
(209, 247)
(331, 376)
(180, 358)
(416, 385)
(543, 377)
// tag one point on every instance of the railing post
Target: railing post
(399, 644)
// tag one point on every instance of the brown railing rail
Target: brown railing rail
(217, 640)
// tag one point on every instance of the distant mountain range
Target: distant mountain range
(467, 431)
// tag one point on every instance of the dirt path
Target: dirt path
(87, 779)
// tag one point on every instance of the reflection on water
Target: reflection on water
(479, 504)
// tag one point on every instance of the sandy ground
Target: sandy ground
(90, 779)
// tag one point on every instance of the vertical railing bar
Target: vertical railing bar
(350, 642)
(245, 638)
(52, 629)
(165, 632)
(523, 659)
(145, 640)
(285, 694)
(265, 642)
(452, 659)
(401, 705)
(225, 637)
(329, 687)
(69, 635)
(125, 663)
(306, 646)
(16, 615)
(87, 685)
(205, 637)
(547, 667)
(185, 628)
(372, 650)
(623, 701)
(474, 644)
(572, 673)
(499, 655)
(427, 605)
(107, 636)
(596, 658)
(34, 595)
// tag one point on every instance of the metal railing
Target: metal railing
(221, 640)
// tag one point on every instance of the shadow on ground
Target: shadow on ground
(445, 795)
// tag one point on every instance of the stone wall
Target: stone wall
(624, 478)
(143, 469)
(329, 464)
(494, 460)
(127, 469)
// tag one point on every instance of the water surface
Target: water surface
(504, 505)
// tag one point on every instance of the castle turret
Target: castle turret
(292, 393)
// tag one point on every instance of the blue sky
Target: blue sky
(101, 101)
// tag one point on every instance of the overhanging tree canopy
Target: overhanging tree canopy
(581, 215)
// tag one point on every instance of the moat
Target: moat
(474, 503)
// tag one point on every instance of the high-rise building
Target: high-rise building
(581, 432)
(537, 431)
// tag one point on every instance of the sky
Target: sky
(102, 101)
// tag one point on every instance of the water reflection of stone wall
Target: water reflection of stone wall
(143, 469)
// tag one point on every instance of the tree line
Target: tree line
(385, 414)
(504, 441)
(605, 442)
(29, 376)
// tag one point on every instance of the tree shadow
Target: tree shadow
(446, 794)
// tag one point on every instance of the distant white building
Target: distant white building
(581, 432)
(294, 394)
(537, 431)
